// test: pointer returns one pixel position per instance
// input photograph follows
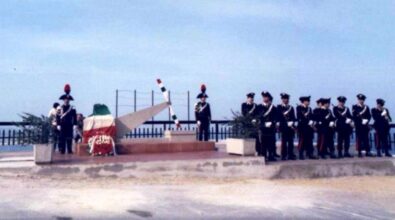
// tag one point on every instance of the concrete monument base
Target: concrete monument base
(150, 146)
(244, 147)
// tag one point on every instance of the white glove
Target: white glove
(75, 127)
(253, 121)
(348, 121)
(268, 124)
(311, 123)
(296, 124)
(384, 113)
(278, 124)
(199, 123)
(58, 127)
(290, 124)
(331, 124)
(365, 121)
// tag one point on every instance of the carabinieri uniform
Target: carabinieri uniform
(287, 126)
(249, 108)
(362, 116)
(203, 115)
(66, 121)
(344, 127)
(326, 130)
(268, 119)
(305, 128)
(382, 121)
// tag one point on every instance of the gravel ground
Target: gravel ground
(339, 198)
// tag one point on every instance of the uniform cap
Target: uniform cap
(304, 98)
(380, 102)
(284, 96)
(341, 99)
(361, 97)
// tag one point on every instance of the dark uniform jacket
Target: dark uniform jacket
(343, 119)
(305, 118)
(267, 117)
(325, 120)
(249, 109)
(382, 119)
(361, 113)
(67, 119)
(286, 114)
(203, 112)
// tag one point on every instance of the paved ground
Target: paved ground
(340, 198)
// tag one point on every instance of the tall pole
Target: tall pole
(116, 103)
(152, 104)
(169, 108)
(135, 100)
(189, 108)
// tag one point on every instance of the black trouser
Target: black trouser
(55, 138)
(382, 141)
(343, 141)
(306, 136)
(362, 139)
(204, 131)
(66, 143)
(267, 143)
(287, 143)
(327, 144)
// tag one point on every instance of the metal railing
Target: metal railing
(10, 134)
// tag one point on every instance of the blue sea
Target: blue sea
(16, 148)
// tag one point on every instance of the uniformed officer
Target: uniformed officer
(344, 127)
(287, 126)
(268, 119)
(382, 121)
(306, 126)
(249, 108)
(326, 129)
(316, 112)
(66, 122)
(361, 114)
(203, 115)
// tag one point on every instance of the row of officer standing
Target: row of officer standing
(323, 120)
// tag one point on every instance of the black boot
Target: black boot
(272, 159)
(379, 153)
(360, 154)
(332, 156)
(347, 155)
(292, 157)
(369, 154)
(301, 156)
(340, 154)
(388, 154)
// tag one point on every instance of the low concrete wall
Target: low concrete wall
(243, 167)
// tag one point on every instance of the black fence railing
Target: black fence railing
(11, 135)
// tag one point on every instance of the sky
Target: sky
(321, 48)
